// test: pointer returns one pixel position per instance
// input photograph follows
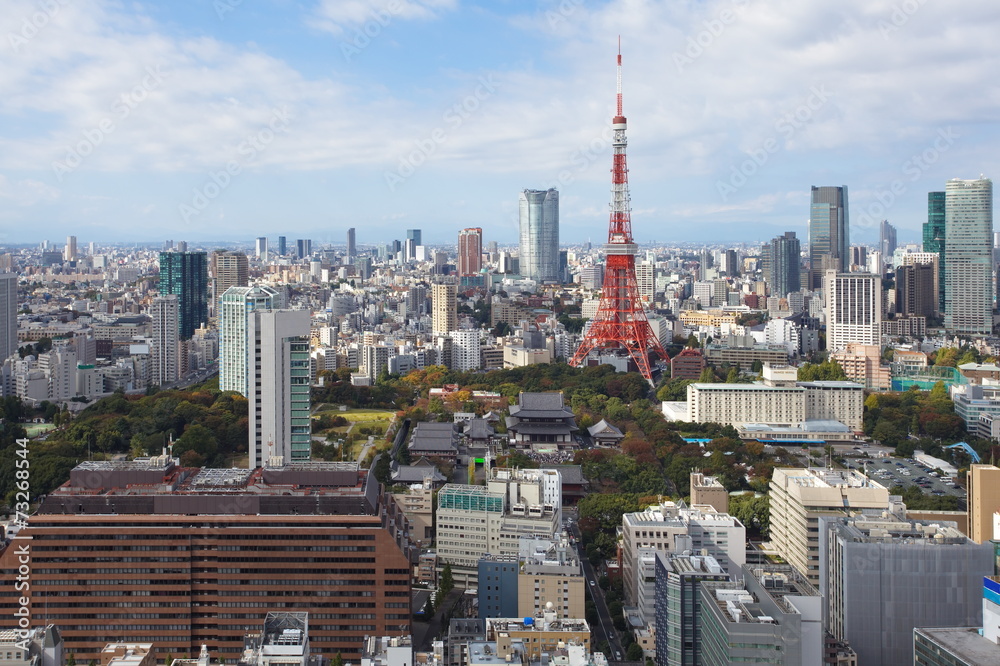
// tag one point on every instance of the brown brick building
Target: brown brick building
(149, 552)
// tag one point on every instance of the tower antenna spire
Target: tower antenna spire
(620, 326)
(619, 76)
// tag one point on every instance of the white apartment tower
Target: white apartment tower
(466, 352)
(234, 306)
(278, 389)
(853, 309)
(165, 311)
(968, 253)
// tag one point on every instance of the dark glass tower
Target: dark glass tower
(829, 232)
(934, 237)
(784, 265)
(186, 275)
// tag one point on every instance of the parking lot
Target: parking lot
(906, 472)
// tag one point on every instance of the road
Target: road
(364, 449)
(606, 630)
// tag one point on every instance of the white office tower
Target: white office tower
(165, 311)
(262, 248)
(278, 364)
(539, 246)
(466, 352)
(853, 309)
(234, 306)
(8, 315)
(968, 276)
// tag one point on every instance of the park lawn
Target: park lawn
(368, 415)
(34, 429)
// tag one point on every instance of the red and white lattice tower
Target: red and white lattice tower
(620, 322)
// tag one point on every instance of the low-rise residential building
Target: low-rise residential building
(863, 364)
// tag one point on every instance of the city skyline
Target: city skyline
(305, 107)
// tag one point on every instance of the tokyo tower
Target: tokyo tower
(620, 323)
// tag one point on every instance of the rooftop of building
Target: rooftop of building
(547, 621)
(822, 477)
(161, 486)
(966, 643)
(889, 529)
(804, 427)
(540, 405)
(677, 514)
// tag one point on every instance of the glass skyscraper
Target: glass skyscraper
(784, 276)
(539, 246)
(968, 277)
(186, 275)
(829, 233)
(234, 306)
(934, 237)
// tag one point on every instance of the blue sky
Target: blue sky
(229, 119)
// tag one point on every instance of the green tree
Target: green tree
(447, 581)
(707, 375)
(692, 341)
(634, 652)
(71, 660)
(754, 511)
(733, 376)
(338, 660)
(383, 469)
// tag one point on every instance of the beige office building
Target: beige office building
(983, 483)
(551, 575)
(800, 497)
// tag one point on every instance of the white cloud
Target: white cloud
(337, 16)
(26, 192)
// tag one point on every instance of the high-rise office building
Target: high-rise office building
(69, 253)
(319, 539)
(886, 239)
(539, 246)
(282, 246)
(231, 270)
(934, 237)
(165, 312)
(882, 575)
(261, 249)
(801, 497)
(829, 232)
(983, 489)
(853, 309)
(444, 309)
(645, 280)
(303, 248)
(279, 386)
(784, 264)
(8, 315)
(352, 248)
(415, 237)
(470, 251)
(968, 275)
(185, 274)
(234, 345)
